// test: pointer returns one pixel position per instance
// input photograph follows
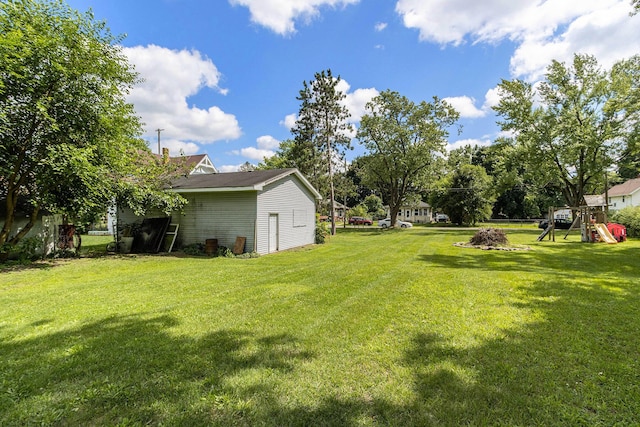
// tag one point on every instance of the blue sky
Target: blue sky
(221, 77)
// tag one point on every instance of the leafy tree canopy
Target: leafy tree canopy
(68, 138)
(575, 124)
(466, 195)
(405, 141)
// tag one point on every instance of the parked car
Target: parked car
(358, 220)
(560, 223)
(384, 223)
(442, 218)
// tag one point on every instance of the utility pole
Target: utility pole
(159, 149)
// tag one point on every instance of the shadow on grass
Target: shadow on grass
(578, 365)
(10, 266)
(131, 370)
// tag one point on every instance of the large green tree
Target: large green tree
(68, 139)
(466, 195)
(516, 196)
(571, 127)
(321, 133)
(404, 140)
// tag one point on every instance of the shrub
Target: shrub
(225, 252)
(194, 249)
(248, 255)
(630, 218)
(489, 237)
(321, 232)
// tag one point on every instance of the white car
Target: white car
(384, 223)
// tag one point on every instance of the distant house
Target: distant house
(273, 209)
(625, 194)
(420, 213)
(340, 210)
(196, 164)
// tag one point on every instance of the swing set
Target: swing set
(593, 224)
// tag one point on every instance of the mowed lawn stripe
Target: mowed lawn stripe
(375, 328)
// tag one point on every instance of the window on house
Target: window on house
(299, 218)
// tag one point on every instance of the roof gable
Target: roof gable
(195, 164)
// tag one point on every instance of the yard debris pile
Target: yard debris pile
(489, 237)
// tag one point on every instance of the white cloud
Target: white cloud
(380, 26)
(280, 16)
(170, 77)
(265, 148)
(267, 142)
(542, 29)
(492, 98)
(465, 106)
(289, 121)
(254, 153)
(229, 168)
(354, 101)
(357, 100)
(468, 142)
(608, 33)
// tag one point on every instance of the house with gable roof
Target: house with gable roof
(625, 194)
(273, 209)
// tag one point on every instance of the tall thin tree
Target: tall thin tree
(322, 128)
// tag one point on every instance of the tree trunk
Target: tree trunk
(10, 214)
(27, 228)
(332, 201)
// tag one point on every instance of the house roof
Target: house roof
(420, 204)
(236, 181)
(594, 199)
(626, 188)
(191, 163)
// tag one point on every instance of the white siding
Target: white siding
(621, 202)
(45, 230)
(295, 207)
(223, 216)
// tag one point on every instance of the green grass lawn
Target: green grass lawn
(394, 327)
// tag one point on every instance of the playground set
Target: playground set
(593, 224)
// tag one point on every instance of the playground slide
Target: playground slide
(544, 233)
(604, 233)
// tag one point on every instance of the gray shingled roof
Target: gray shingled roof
(235, 180)
(625, 188)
